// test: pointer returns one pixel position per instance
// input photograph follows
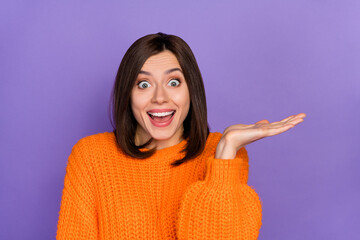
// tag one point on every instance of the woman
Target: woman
(160, 174)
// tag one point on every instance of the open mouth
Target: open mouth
(161, 117)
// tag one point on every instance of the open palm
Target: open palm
(238, 135)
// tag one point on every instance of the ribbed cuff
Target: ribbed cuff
(226, 171)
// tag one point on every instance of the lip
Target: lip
(161, 110)
(162, 124)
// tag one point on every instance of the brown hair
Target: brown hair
(196, 128)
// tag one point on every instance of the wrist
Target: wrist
(225, 150)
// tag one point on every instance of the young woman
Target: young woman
(161, 174)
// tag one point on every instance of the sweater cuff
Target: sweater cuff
(225, 171)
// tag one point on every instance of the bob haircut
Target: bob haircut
(195, 125)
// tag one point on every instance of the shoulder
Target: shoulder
(85, 155)
(97, 138)
(212, 142)
(96, 142)
(213, 138)
(91, 150)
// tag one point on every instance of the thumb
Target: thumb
(262, 121)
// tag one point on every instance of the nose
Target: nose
(160, 95)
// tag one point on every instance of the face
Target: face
(160, 100)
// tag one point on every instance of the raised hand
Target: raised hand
(237, 136)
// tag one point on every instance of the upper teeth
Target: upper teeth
(161, 114)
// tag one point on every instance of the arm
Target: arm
(77, 217)
(222, 206)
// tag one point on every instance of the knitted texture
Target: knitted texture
(110, 195)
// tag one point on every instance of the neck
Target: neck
(142, 138)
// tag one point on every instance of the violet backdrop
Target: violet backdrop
(259, 60)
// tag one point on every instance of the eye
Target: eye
(144, 84)
(174, 83)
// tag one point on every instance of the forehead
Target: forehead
(164, 59)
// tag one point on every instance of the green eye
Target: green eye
(174, 83)
(144, 84)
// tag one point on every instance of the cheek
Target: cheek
(139, 101)
(183, 101)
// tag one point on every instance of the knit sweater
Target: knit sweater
(110, 195)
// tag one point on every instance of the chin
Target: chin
(162, 135)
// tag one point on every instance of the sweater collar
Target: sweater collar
(170, 150)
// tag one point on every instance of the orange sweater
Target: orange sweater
(109, 195)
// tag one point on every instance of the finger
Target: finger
(278, 130)
(288, 118)
(292, 122)
(302, 115)
(297, 116)
(296, 121)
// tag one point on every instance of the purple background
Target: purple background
(259, 60)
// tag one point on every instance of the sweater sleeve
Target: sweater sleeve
(222, 206)
(77, 216)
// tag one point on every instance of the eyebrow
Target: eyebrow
(167, 71)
